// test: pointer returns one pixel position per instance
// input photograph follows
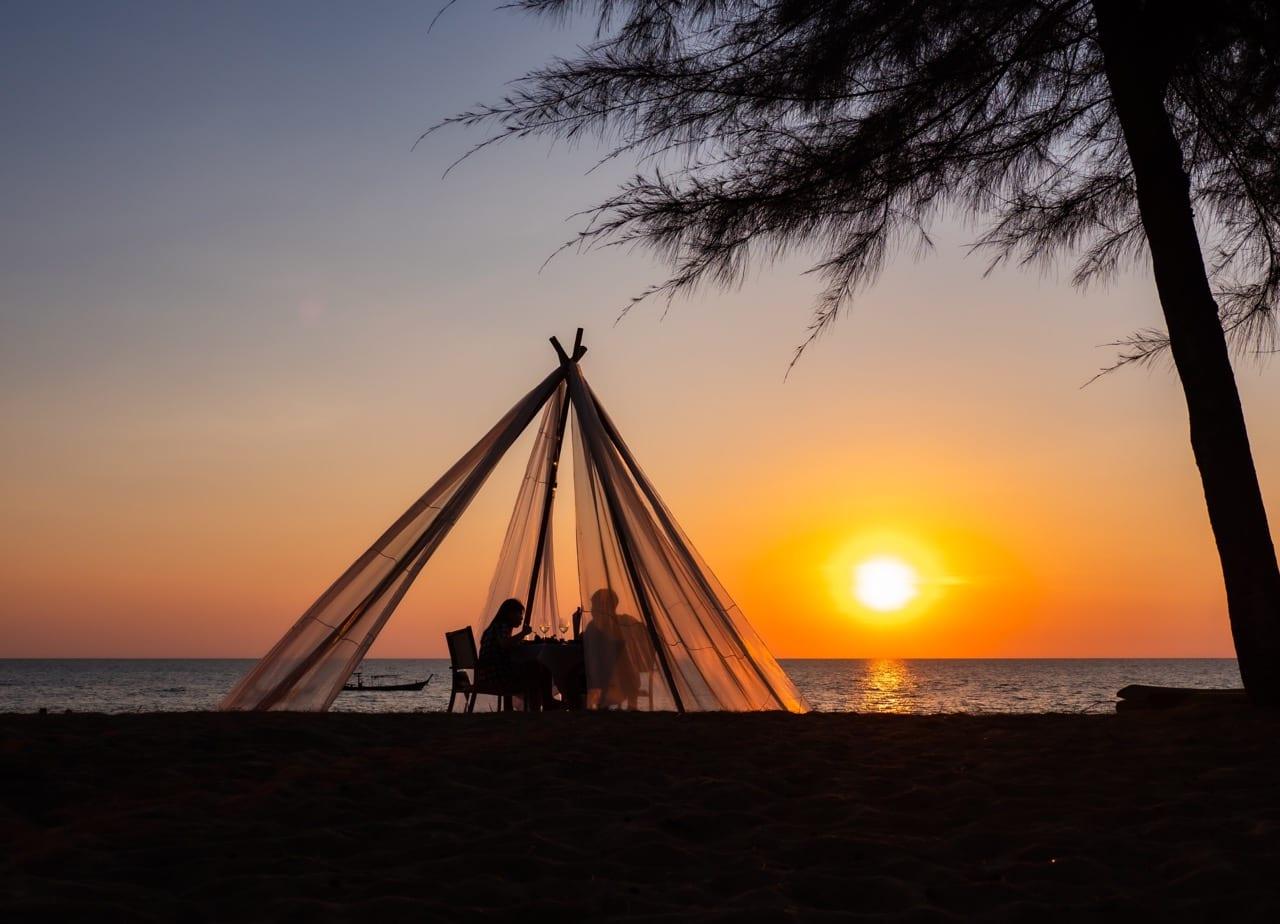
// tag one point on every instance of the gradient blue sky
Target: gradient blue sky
(243, 323)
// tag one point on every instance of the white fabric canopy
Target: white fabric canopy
(659, 631)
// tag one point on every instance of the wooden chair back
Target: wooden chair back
(462, 649)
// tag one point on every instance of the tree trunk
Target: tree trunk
(1138, 73)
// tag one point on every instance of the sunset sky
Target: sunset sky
(243, 324)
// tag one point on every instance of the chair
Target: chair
(462, 658)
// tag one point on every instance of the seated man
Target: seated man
(612, 648)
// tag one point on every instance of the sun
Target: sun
(885, 577)
(885, 583)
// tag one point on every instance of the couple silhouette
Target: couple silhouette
(615, 652)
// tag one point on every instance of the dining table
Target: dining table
(564, 659)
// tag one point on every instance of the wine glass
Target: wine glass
(564, 630)
(546, 630)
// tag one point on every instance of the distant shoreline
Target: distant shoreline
(923, 686)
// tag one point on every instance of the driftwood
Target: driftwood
(1139, 696)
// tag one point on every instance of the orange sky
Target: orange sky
(201, 519)
(223, 373)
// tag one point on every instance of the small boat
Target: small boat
(361, 686)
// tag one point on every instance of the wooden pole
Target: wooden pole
(552, 479)
(547, 499)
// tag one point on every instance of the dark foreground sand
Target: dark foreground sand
(435, 817)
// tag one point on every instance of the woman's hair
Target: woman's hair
(511, 611)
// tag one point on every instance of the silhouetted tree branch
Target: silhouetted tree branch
(845, 128)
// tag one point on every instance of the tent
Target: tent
(660, 632)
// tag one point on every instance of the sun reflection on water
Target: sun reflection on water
(887, 686)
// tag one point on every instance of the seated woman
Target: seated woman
(495, 667)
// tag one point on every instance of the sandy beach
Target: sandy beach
(719, 817)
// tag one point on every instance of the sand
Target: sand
(723, 817)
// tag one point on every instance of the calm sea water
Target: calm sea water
(907, 686)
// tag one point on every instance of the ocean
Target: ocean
(894, 686)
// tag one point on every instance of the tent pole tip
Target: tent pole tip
(578, 349)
